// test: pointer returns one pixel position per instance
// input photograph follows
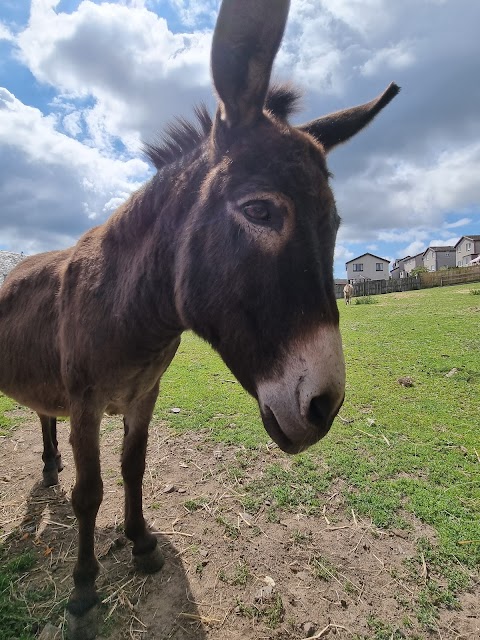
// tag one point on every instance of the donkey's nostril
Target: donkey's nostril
(320, 411)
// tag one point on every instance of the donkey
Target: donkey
(232, 238)
(347, 293)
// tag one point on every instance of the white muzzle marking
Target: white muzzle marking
(313, 370)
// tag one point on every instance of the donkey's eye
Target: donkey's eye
(257, 210)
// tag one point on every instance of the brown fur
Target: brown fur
(91, 329)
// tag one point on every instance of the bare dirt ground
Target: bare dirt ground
(228, 575)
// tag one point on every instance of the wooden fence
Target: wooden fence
(450, 276)
(423, 281)
(376, 287)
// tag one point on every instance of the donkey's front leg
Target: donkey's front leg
(87, 496)
(146, 556)
(52, 460)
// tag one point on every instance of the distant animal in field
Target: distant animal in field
(234, 239)
(348, 293)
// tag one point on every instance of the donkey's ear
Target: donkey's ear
(246, 39)
(340, 126)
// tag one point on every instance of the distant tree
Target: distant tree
(417, 270)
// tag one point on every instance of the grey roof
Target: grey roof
(439, 249)
(8, 260)
(417, 255)
(368, 254)
(475, 238)
(398, 261)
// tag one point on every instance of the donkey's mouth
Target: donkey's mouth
(274, 430)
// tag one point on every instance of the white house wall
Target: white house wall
(369, 269)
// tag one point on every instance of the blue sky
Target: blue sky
(83, 83)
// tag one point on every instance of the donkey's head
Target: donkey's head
(255, 266)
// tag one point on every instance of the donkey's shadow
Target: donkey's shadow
(159, 605)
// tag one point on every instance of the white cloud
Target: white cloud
(444, 242)
(450, 182)
(459, 223)
(135, 4)
(309, 52)
(51, 185)
(391, 58)
(390, 198)
(343, 253)
(71, 123)
(415, 247)
(364, 16)
(403, 234)
(138, 72)
(191, 11)
(5, 33)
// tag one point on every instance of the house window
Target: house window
(358, 266)
(379, 266)
(469, 246)
(447, 255)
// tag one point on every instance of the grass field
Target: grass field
(406, 442)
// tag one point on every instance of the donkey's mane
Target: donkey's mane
(182, 136)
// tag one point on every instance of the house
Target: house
(8, 260)
(367, 267)
(398, 268)
(436, 258)
(413, 262)
(467, 249)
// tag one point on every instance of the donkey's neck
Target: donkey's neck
(142, 237)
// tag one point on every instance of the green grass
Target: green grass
(322, 568)
(366, 300)
(240, 575)
(300, 486)
(5, 423)
(208, 396)
(271, 612)
(194, 504)
(413, 449)
(16, 621)
(382, 631)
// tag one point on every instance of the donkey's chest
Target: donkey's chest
(132, 382)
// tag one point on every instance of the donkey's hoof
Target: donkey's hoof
(149, 562)
(83, 627)
(59, 463)
(50, 478)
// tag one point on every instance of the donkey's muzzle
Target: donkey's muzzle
(295, 434)
(299, 405)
